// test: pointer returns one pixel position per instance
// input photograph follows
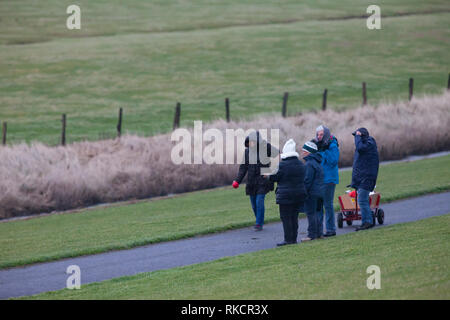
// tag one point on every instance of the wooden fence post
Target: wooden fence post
(4, 134)
(119, 124)
(284, 108)
(364, 93)
(227, 109)
(176, 119)
(63, 130)
(411, 88)
(324, 100)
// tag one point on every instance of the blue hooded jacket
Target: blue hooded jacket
(330, 159)
(365, 161)
(328, 148)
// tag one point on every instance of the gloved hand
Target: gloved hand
(235, 184)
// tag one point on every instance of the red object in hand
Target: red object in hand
(352, 194)
(235, 184)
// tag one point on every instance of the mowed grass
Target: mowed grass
(91, 76)
(27, 21)
(413, 258)
(120, 227)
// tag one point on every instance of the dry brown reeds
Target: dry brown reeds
(37, 178)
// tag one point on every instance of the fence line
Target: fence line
(177, 116)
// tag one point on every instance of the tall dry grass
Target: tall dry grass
(37, 178)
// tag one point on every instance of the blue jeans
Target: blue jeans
(257, 202)
(363, 203)
(313, 217)
(328, 197)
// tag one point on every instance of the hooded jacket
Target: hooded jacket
(329, 150)
(314, 175)
(330, 159)
(365, 161)
(252, 165)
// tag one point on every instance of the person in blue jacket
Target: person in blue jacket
(290, 191)
(328, 148)
(314, 189)
(365, 173)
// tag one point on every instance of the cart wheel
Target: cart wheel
(349, 222)
(340, 220)
(380, 216)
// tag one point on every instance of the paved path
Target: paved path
(127, 202)
(51, 276)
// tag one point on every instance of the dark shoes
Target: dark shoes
(329, 234)
(365, 226)
(284, 243)
(257, 227)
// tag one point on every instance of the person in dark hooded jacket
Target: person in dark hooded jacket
(365, 173)
(257, 187)
(314, 189)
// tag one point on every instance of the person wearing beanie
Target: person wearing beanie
(365, 173)
(257, 187)
(328, 148)
(290, 192)
(314, 186)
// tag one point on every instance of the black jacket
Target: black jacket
(290, 181)
(314, 175)
(365, 162)
(256, 184)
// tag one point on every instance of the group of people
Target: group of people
(308, 186)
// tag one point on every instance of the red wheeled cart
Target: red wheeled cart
(350, 211)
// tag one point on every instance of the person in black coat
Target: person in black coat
(365, 173)
(257, 187)
(290, 192)
(314, 178)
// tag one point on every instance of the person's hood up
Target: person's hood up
(326, 134)
(289, 150)
(364, 132)
(254, 136)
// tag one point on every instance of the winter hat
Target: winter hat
(289, 150)
(310, 147)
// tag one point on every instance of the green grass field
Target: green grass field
(413, 258)
(119, 227)
(146, 56)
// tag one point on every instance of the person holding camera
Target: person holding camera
(365, 173)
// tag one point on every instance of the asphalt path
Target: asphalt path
(42, 277)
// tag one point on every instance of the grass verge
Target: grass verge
(90, 77)
(121, 227)
(413, 258)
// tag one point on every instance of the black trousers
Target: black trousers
(289, 218)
